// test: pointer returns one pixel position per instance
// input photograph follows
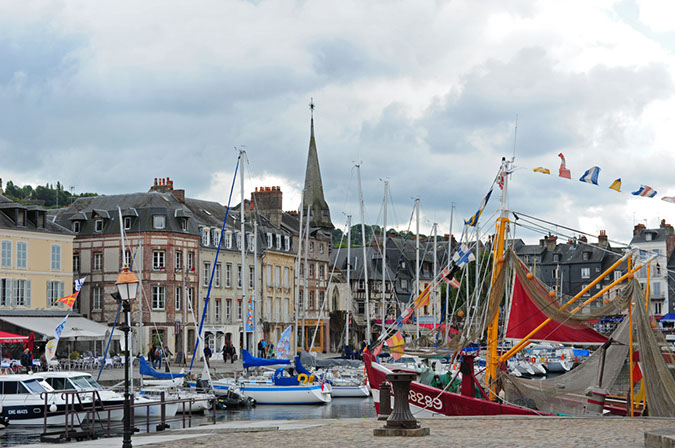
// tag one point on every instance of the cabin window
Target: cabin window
(8, 387)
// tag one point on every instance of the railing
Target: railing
(87, 417)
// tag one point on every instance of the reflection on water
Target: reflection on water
(338, 408)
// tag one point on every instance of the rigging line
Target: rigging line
(215, 262)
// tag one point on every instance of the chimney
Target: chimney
(638, 229)
(551, 242)
(1, 191)
(178, 194)
(583, 239)
(602, 238)
(269, 201)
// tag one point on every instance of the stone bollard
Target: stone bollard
(401, 422)
(385, 401)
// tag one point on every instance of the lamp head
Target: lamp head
(127, 285)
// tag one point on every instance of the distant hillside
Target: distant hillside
(48, 196)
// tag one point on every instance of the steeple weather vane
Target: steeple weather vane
(311, 106)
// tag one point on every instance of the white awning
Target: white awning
(76, 327)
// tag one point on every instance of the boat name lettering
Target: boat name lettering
(17, 411)
(425, 400)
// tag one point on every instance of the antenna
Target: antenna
(515, 136)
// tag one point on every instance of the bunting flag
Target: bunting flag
(454, 283)
(645, 191)
(669, 199)
(396, 345)
(423, 299)
(564, 172)
(403, 318)
(591, 176)
(250, 317)
(79, 282)
(377, 350)
(59, 329)
(69, 300)
(473, 220)
(542, 170)
(50, 349)
(462, 256)
(448, 279)
(616, 185)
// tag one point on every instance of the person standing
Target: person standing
(27, 361)
(207, 354)
(158, 357)
(271, 351)
(264, 348)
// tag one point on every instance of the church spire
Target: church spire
(320, 213)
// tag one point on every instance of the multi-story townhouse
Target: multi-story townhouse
(162, 247)
(35, 258)
(658, 243)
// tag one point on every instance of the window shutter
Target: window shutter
(61, 292)
(14, 293)
(213, 237)
(10, 287)
(28, 293)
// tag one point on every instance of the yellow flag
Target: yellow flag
(542, 170)
(616, 185)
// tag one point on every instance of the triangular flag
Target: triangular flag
(616, 185)
(564, 172)
(542, 170)
(423, 299)
(69, 300)
(377, 350)
(79, 282)
(396, 345)
(645, 191)
(591, 176)
(669, 199)
(59, 329)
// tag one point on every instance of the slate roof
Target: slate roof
(8, 207)
(660, 234)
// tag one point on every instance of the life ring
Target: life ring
(302, 378)
(562, 356)
(533, 360)
(311, 379)
(456, 366)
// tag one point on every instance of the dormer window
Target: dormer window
(21, 218)
(183, 224)
(98, 225)
(556, 258)
(269, 240)
(250, 241)
(205, 237)
(228, 240)
(76, 226)
(287, 240)
(586, 256)
(278, 238)
(127, 222)
(158, 221)
(648, 236)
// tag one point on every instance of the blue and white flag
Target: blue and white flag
(591, 176)
(59, 329)
(645, 191)
(463, 255)
(284, 344)
(79, 282)
(473, 220)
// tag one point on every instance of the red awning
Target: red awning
(525, 316)
(7, 338)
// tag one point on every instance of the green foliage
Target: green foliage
(49, 195)
(74, 355)
(470, 269)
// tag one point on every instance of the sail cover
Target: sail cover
(145, 369)
(252, 361)
(526, 316)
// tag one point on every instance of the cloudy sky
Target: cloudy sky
(106, 96)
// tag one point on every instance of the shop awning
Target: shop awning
(670, 317)
(76, 326)
(8, 338)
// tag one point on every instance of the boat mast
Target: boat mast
(349, 268)
(297, 272)
(255, 277)
(305, 275)
(365, 255)
(497, 266)
(242, 240)
(417, 262)
(436, 305)
(384, 259)
(447, 288)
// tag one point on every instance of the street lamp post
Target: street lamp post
(127, 287)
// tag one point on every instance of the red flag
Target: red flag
(564, 172)
(69, 300)
(377, 350)
(454, 283)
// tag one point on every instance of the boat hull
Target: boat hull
(355, 391)
(269, 393)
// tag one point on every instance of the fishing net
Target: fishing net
(657, 361)
(565, 394)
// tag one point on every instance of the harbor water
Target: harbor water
(337, 408)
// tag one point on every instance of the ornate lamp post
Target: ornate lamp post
(127, 287)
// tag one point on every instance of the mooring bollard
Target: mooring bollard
(385, 401)
(401, 422)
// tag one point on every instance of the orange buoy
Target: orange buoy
(551, 293)
(653, 324)
(530, 276)
(630, 276)
(460, 313)
(501, 259)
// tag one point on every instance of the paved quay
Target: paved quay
(501, 432)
